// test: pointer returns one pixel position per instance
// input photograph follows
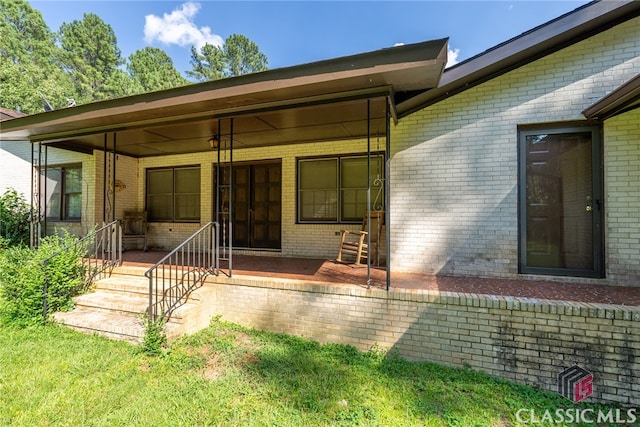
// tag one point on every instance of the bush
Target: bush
(14, 220)
(22, 279)
(154, 337)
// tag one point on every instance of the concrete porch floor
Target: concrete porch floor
(330, 271)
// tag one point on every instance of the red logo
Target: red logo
(575, 383)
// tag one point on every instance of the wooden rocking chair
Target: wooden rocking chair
(355, 243)
(134, 228)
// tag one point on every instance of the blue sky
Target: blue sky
(297, 32)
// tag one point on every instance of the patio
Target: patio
(332, 272)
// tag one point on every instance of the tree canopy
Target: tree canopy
(91, 56)
(153, 69)
(236, 57)
(82, 62)
(29, 60)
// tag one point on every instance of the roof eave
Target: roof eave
(530, 46)
(402, 65)
(623, 99)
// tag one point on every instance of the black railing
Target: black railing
(99, 251)
(180, 272)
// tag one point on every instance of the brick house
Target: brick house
(464, 194)
(522, 162)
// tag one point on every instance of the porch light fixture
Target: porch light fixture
(213, 141)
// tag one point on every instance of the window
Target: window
(173, 194)
(334, 189)
(64, 187)
(560, 201)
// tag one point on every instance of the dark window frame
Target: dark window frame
(64, 196)
(340, 187)
(173, 216)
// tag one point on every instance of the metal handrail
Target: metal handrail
(103, 252)
(175, 276)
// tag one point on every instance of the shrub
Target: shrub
(22, 279)
(154, 337)
(14, 219)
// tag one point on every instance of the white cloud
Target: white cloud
(452, 57)
(178, 28)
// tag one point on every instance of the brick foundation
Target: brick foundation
(525, 340)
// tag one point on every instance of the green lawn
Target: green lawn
(228, 375)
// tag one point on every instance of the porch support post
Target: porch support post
(31, 219)
(36, 194)
(368, 192)
(104, 181)
(231, 197)
(387, 193)
(113, 186)
(217, 193)
(35, 197)
(46, 165)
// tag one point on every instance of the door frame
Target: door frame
(251, 223)
(597, 221)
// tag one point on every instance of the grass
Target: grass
(228, 375)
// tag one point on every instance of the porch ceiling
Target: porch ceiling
(326, 100)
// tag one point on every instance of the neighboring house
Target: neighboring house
(488, 168)
(15, 163)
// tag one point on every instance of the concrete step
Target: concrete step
(117, 307)
(119, 302)
(106, 323)
(124, 283)
(129, 283)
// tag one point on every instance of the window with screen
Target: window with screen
(173, 194)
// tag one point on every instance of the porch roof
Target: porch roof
(325, 100)
(624, 98)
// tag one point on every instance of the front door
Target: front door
(560, 202)
(257, 206)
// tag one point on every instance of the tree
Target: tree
(208, 64)
(243, 56)
(152, 69)
(29, 61)
(91, 56)
(236, 57)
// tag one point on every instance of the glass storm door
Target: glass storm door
(560, 202)
(257, 206)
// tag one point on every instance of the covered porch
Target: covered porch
(190, 156)
(331, 272)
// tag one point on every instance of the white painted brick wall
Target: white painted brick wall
(15, 169)
(15, 172)
(454, 189)
(622, 197)
(298, 240)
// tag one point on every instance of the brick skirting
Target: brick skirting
(525, 340)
